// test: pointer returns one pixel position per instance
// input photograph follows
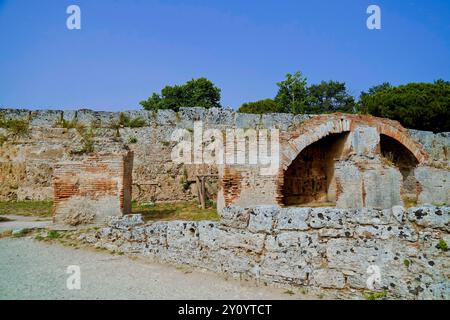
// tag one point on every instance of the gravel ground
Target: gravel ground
(30, 269)
(21, 222)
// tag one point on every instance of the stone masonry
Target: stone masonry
(91, 189)
(318, 249)
(27, 161)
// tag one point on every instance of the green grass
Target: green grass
(375, 295)
(21, 233)
(27, 208)
(175, 211)
(132, 140)
(53, 234)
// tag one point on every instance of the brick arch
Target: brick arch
(403, 138)
(321, 126)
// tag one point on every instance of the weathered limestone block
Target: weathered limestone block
(182, 235)
(291, 255)
(188, 116)
(262, 219)
(289, 266)
(382, 187)
(219, 116)
(303, 243)
(365, 140)
(15, 114)
(431, 216)
(434, 185)
(69, 115)
(349, 185)
(235, 261)
(358, 254)
(327, 218)
(125, 222)
(241, 239)
(209, 234)
(157, 233)
(368, 216)
(336, 233)
(247, 121)
(235, 217)
(147, 116)
(45, 118)
(328, 278)
(437, 145)
(387, 232)
(87, 117)
(277, 120)
(398, 212)
(293, 219)
(166, 117)
(411, 263)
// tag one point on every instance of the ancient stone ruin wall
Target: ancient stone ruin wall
(27, 161)
(318, 249)
(350, 161)
(91, 189)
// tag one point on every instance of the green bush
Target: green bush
(442, 245)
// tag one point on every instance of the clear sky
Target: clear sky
(127, 49)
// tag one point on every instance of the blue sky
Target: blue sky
(128, 49)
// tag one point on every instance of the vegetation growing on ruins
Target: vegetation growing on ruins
(199, 92)
(127, 122)
(442, 245)
(27, 208)
(376, 295)
(16, 127)
(88, 141)
(175, 211)
(132, 140)
(66, 124)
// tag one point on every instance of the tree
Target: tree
(423, 106)
(292, 94)
(261, 106)
(199, 92)
(331, 96)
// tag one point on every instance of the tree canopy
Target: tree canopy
(422, 106)
(261, 106)
(199, 92)
(329, 96)
(292, 93)
(294, 96)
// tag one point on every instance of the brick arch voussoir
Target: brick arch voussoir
(312, 132)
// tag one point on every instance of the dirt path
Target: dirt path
(34, 270)
(22, 222)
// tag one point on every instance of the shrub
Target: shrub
(442, 245)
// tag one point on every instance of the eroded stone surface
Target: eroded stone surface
(323, 256)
